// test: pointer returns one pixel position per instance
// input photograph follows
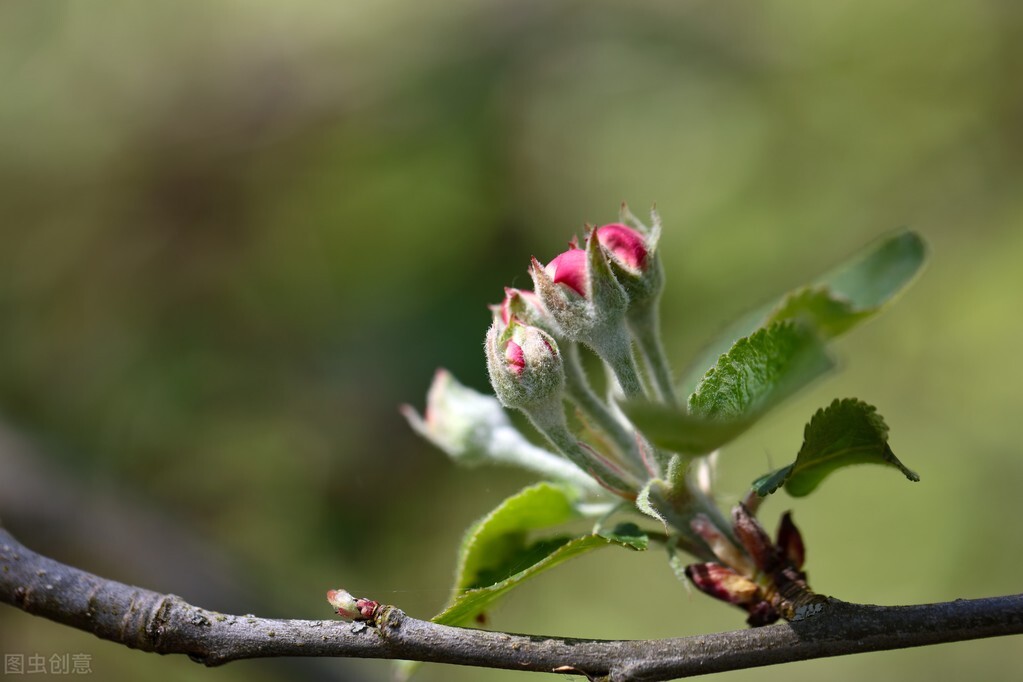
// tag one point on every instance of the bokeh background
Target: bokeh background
(235, 236)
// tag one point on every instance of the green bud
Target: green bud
(525, 366)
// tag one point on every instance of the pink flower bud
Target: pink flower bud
(627, 245)
(345, 605)
(631, 250)
(569, 268)
(524, 306)
(525, 365)
(516, 360)
(352, 608)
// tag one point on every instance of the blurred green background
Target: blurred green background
(234, 237)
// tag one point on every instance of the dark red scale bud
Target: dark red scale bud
(755, 540)
(723, 583)
(790, 541)
(367, 608)
(762, 613)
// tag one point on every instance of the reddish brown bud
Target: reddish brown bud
(367, 608)
(755, 540)
(721, 545)
(790, 541)
(762, 613)
(723, 583)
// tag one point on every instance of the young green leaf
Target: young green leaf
(678, 431)
(497, 553)
(534, 560)
(846, 432)
(501, 535)
(760, 371)
(833, 303)
(875, 276)
(627, 534)
(515, 560)
(820, 309)
(771, 481)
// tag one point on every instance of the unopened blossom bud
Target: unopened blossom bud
(632, 257)
(579, 291)
(352, 608)
(524, 306)
(569, 269)
(515, 358)
(525, 365)
(581, 294)
(626, 245)
(527, 373)
(633, 260)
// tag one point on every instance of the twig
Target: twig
(166, 624)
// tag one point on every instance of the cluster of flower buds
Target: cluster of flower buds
(595, 294)
(591, 293)
(603, 293)
(762, 577)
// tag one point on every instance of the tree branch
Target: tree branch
(166, 624)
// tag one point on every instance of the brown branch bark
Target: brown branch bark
(166, 624)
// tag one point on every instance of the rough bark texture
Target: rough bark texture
(166, 624)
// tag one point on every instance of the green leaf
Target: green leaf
(500, 536)
(846, 432)
(469, 604)
(758, 372)
(677, 562)
(627, 534)
(678, 431)
(833, 303)
(820, 309)
(874, 277)
(497, 553)
(770, 482)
